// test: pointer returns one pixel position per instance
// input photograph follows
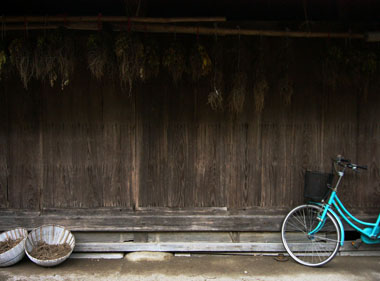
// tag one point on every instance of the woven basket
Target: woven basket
(317, 185)
(50, 234)
(15, 254)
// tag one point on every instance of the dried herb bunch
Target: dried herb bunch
(240, 80)
(285, 59)
(260, 90)
(55, 58)
(3, 59)
(21, 56)
(215, 97)
(200, 62)
(238, 92)
(174, 61)
(364, 65)
(260, 87)
(45, 62)
(66, 58)
(130, 58)
(286, 88)
(334, 62)
(351, 65)
(100, 54)
(151, 66)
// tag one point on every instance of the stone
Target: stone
(148, 256)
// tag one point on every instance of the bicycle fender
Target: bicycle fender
(332, 212)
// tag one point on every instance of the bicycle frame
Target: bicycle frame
(370, 235)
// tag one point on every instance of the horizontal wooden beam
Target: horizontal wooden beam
(199, 30)
(148, 220)
(100, 18)
(244, 32)
(129, 222)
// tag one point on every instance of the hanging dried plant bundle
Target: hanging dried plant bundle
(200, 62)
(130, 57)
(285, 59)
(45, 62)
(349, 65)
(238, 92)
(139, 51)
(65, 57)
(55, 58)
(174, 60)
(100, 55)
(259, 92)
(151, 67)
(3, 59)
(332, 64)
(21, 56)
(215, 100)
(364, 64)
(286, 89)
(215, 97)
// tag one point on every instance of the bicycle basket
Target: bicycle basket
(316, 185)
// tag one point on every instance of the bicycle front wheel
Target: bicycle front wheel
(310, 249)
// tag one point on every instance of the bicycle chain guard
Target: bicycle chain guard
(366, 238)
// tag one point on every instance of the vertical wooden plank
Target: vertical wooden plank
(180, 116)
(4, 145)
(340, 134)
(24, 164)
(58, 135)
(154, 154)
(367, 184)
(210, 190)
(119, 145)
(274, 149)
(254, 159)
(234, 162)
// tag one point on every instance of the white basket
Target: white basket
(50, 234)
(15, 254)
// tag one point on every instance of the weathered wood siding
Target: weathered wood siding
(92, 146)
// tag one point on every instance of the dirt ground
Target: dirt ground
(202, 267)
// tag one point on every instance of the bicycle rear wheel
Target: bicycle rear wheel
(310, 250)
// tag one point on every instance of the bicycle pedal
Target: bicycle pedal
(357, 243)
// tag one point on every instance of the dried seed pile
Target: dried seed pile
(45, 251)
(8, 244)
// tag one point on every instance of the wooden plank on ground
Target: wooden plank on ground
(179, 247)
(208, 247)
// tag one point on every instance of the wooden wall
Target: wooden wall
(93, 146)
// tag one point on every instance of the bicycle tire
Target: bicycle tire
(310, 250)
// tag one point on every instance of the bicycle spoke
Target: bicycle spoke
(297, 228)
(325, 238)
(300, 220)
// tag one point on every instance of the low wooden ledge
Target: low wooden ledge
(204, 219)
(146, 220)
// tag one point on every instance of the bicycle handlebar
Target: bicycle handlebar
(347, 163)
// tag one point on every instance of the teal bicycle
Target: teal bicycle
(313, 233)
